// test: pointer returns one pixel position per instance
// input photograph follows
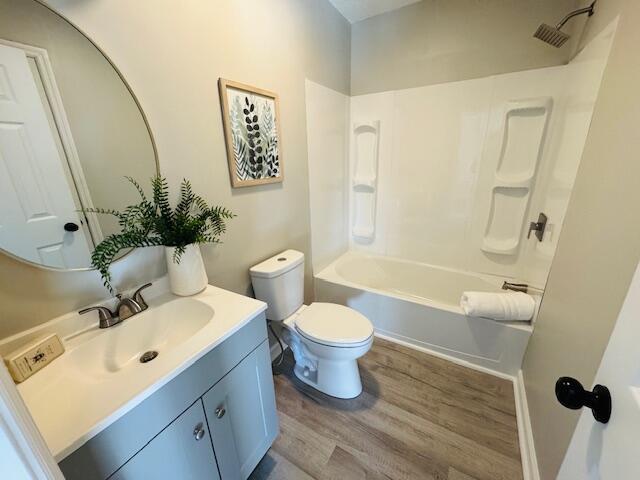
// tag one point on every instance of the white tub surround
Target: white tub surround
(327, 158)
(91, 386)
(464, 167)
(418, 304)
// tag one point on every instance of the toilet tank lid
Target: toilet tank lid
(278, 264)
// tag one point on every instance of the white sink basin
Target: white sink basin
(99, 378)
(159, 329)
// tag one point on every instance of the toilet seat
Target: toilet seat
(334, 325)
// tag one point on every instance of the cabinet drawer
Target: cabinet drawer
(102, 455)
(182, 450)
(241, 412)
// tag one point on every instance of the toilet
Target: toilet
(326, 339)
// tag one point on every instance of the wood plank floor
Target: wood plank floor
(419, 417)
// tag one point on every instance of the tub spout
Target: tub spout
(516, 287)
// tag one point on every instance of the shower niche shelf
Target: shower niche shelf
(524, 133)
(366, 154)
(365, 179)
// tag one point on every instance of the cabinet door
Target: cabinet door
(181, 451)
(241, 411)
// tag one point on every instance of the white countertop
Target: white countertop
(70, 406)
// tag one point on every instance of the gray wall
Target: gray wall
(599, 247)
(172, 57)
(437, 41)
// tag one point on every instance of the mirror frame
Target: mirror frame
(144, 119)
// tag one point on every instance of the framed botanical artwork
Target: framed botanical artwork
(251, 119)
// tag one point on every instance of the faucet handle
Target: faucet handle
(127, 307)
(106, 316)
(137, 296)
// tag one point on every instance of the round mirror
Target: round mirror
(70, 131)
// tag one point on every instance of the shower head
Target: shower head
(554, 35)
(551, 35)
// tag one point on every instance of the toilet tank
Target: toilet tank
(279, 281)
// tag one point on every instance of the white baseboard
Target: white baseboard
(525, 434)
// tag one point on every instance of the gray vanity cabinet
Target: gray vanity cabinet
(226, 398)
(239, 410)
(182, 450)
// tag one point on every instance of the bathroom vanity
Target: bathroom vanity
(203, 408)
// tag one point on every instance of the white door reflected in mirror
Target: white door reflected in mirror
(71, 129)
(36, 199)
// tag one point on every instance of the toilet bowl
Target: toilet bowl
(326, 338)
(325, 357)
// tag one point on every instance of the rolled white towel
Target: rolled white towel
(506, 307)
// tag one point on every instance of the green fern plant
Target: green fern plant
(153, 222)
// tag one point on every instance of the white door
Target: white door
(35, 196)
(24, 455)
(611, 451)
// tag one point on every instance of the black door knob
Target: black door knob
(71, 227)
(571, 394)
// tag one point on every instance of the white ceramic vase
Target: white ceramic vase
(189, 276)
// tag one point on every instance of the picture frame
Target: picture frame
(251, 121)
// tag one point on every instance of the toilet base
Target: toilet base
(340, 379)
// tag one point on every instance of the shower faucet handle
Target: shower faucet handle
(538, 227)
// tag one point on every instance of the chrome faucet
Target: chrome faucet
(126, 308)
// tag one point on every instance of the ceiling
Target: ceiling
(356, 10)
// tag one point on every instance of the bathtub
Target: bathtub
(418, 304)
